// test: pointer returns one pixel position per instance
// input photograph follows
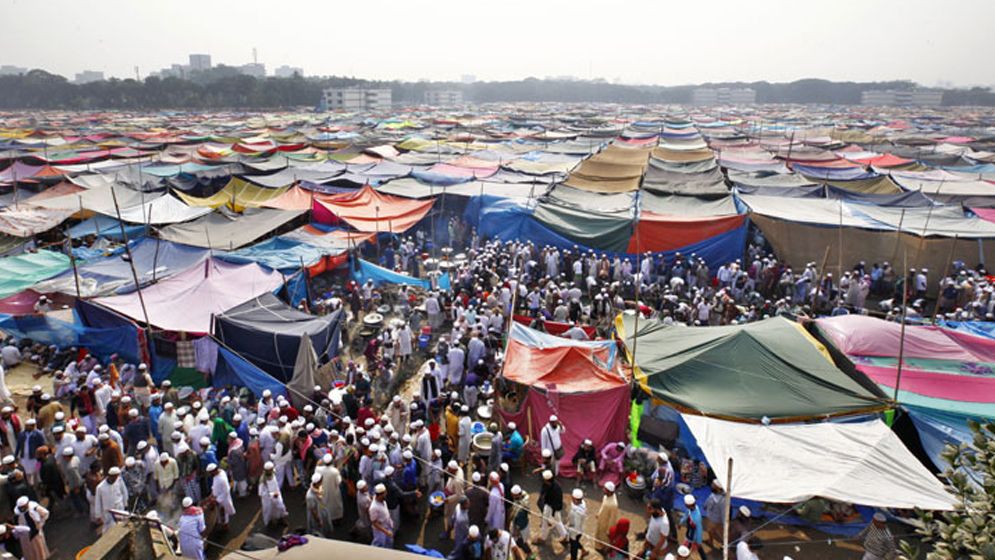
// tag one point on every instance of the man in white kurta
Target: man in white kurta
(331, 484)
(270, 495)
(111, 494)
(191, 528)
(221, 490)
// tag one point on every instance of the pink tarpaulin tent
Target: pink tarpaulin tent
(188, 300)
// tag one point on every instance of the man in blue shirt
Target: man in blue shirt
(513, 448)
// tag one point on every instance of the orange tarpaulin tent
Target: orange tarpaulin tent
(370, 211)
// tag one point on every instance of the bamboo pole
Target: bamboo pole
(131, 261)
(726, 513)
(901, 340)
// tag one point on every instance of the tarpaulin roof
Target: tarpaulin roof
(364, 270)
(542, 360)
(942, 369)
(26, 221)
(853, 462)
(223, 230)
(153, 260)
(281, 253)
(237, 195)
(188, 300)
(268, 332)
(370, 211)
(604, 230)
(23, 271)
(770, 368)
(160, 210)
(105, 226)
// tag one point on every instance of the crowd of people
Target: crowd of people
(108, 441)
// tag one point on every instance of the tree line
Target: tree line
(225, 88)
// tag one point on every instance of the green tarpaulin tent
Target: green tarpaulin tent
(770, 368)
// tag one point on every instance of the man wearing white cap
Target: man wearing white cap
(463, 435)
(746, 549)
(549, 438)
(28, 442)
(694, 528)
(69, 466)
(270, 496)
(454, 489)
(191, 527)
(111, 494)
(682, 552)
(317, 521)
(551, 505)
(575, 522)
(331, 485)
(31, 515)
(607, 515)
(221, 489)
(380, 520)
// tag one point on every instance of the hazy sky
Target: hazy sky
(638, 41)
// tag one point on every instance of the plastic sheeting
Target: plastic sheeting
(860, 462)
(26, 221)
(550, 362)
(102, 342)
(23, 271)
(105, 226)
(188, 300)
(234, 370)
(770, 368)
(365, 270)
(268, 332)
(369, 211)
(223, 230)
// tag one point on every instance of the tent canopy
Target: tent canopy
(188, 300)
(856, 462)
(550, 362)
(224, 230)
(370, 211)
(770, 368)
(268, 333)
(23, 271)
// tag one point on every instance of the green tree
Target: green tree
(969, 531)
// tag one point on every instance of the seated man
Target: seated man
(611, 464)
(513, 445)
(586, 462)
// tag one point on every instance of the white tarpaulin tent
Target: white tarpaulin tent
(862, 463)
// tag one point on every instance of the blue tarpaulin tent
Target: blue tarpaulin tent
(364, 270)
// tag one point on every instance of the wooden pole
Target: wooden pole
(131, 261)
(72, 260)
(839, 252)
(307, 286)
(726, 513)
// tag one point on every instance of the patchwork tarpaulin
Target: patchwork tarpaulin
(188, 300)
(771, 368)
(27, 221)
(23, 271)
(853, 462)
(550, 362)
(268, 333)
(614, 169)
(942, 369)
(222, 229)
(369, 211)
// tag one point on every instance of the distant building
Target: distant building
(723, 96)
(288, 71)
(200, 62)
(444, 97)
(468, 78)
(87, 76)
(8, 70)
(254, 69)
(355, 99)
(902, 98)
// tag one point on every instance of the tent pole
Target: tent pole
(307, 287)
(72, 260)
(377, 225)
(901, 339)
(726, 513)
(839, 253)
(131, 261)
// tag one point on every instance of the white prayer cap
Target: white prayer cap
(361, 485)
(547, 475)
(129, 462)
(547, 453)
(553, 418)
(142, 445)
(407, 454)
(473, 531)
(516, 490)
(610, 486)
(689, 499)
(379, 489)
(316, 478)
(187, 502)
(476, 476)
(114, 471)
(269, 466)
(327, 458)
(67, 451)
(164, 456)
(267, 393)
(683, 551)
(205, 440)
(22, 501)
(512, 426)
(453, 465)
(212, 467)
(133, 413)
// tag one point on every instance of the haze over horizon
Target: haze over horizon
(642, 41)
